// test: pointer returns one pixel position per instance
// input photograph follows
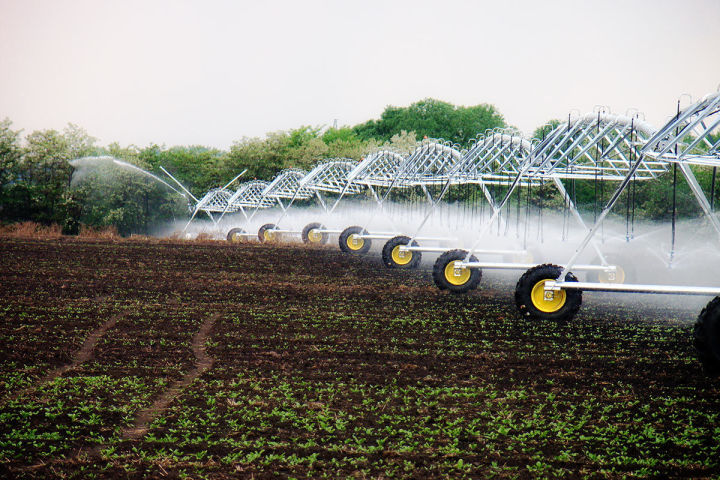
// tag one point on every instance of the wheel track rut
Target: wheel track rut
(81, 356)
(203, 362)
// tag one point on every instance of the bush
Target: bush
(87, 231)
(31, 230)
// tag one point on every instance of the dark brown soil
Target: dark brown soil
(131, 359)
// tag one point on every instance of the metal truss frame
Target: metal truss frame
(431, 163)
(684, 140)
(216, 200)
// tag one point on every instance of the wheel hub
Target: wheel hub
(355, 242)
(455, 274)
(401, 257)
(547, 301)
(314, 236)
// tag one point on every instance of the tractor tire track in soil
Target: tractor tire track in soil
(203, 363)
(81, 356)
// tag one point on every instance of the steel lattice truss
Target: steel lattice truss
(686, 137)
(332, 176)
(494, 157)
(380, 169)
(249, 195)
(215, 201)
(431, 163)
(498, 156)
(329, 176)
(598, 146)
(287, 185)
(684, 140)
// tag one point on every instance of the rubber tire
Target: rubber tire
(232, 233)
(547, 271)
(630, 272)
(439, 272)
(261, 231)
(706, 337)
(350, 231)
(390, 246)
(306, 232)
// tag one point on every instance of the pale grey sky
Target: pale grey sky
(210, 72)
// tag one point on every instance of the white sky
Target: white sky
(210, 72)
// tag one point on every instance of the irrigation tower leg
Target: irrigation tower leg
(191, 219)
(578, 217)
(700, 196)
(601, 218)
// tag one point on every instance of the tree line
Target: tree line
(42, 181)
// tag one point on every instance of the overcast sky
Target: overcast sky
(210, 72)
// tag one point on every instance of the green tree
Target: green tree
(433, 119)
(543, 130)
(199, 168)
(110, 195)
(403, 142)
(299, 148)
(10, 155)
(262, 157)
(43, 173)
(343, 142)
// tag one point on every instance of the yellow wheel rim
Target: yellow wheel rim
(235, 238)
(314, 236)
(354, 242)
(456, 275)
(547, 302)
(618, 276)
(400, 257)
(269, 235)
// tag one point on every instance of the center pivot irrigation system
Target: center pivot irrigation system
(499, 170)
(215, 203)
(328, 177)
(424, 168)
(603, 147)
(492, 161)
(596, 147)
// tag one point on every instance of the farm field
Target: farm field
(125, 359)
